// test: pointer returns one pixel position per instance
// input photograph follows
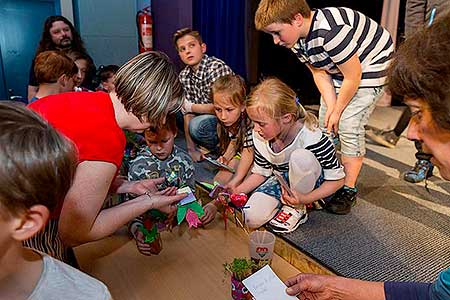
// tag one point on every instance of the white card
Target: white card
(265, 285)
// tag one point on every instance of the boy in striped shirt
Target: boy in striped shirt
(348, 55)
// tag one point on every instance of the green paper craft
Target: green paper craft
(194, 206)
(151, 235)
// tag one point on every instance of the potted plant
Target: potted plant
(239, 269)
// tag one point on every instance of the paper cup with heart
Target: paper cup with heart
(261, 247)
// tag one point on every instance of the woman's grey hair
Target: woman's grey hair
(148, 86)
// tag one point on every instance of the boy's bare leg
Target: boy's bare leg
(352, 167)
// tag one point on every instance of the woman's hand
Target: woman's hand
(164, 203)
(210, 213)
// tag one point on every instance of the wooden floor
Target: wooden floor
(189, 267)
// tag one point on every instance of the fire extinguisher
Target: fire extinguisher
(144, 24)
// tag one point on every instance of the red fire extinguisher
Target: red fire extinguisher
(144, 24)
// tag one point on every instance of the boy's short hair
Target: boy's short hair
(37, 164)
(148, 86)
(50, 65)
(106, 72)
(279, 11)
(170, 125)
(421, 70)
(186, 31)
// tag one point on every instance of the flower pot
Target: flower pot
(239, 291)
(156, 245)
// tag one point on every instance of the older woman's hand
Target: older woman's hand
(145, 185)
(165, 203)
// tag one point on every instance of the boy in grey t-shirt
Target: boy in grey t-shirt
(37, 166)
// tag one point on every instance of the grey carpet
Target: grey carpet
(397, 231)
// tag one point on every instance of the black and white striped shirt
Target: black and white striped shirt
(336, 34)
(197, 84)
(248, 137)
(267, 161)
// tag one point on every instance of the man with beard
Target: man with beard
(58, 34)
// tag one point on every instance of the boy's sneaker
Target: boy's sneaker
(288, 219)
(342, 201)
(422, 170)
(385, 138)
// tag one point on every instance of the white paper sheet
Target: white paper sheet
(265, 285)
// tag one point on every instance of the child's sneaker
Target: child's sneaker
(342, 201)
(288, 219)
(422, 170)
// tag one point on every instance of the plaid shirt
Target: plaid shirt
(197, 84)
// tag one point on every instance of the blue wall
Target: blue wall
(108, 28)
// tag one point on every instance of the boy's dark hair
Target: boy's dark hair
(76, 55)
(170, 125)
(186, 31)
(37, 164)
(46, 42)
(106, 72)
(279, 11)
(50, 65)
(421, 70)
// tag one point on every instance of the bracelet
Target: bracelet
(148, 193)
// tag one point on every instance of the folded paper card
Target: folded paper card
(189, 198)
(265, 285)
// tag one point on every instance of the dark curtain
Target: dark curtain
(221, 24)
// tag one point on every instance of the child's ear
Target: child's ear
(287, 118)
(31, 222)
(203, 45)
(62, 80)
(298, 20)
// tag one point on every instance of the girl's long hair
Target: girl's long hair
(234, 87)
(275, 98)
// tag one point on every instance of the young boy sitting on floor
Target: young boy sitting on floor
(37, 166)
(160, 158)
(348, 55)
(200, 122)
(54, 73)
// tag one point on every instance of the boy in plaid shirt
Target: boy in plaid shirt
(200, 123)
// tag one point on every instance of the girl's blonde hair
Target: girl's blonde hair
(234, 87)
(276, 99)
